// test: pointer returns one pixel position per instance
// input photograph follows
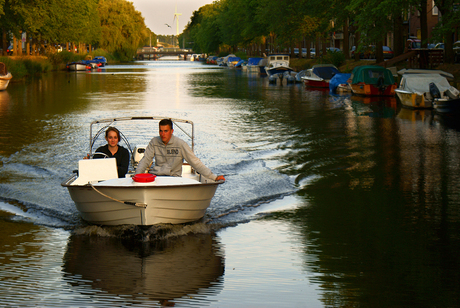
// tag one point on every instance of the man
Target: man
(169, 152)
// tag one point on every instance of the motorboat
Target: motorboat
(100, 60)
(5, 77)
(277, 63)
(143, 199)
(424, 90)
(320, 75)
(232, 61)
(372, 80)
(78, 66)
(253, 65)
(95, 63)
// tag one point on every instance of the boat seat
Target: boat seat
(95, 170)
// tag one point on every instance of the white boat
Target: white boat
(277, 63)
(5, 77)
(415, 92)
(103, 198)
(77, 66)
(320, 75)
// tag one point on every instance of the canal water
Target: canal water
(330, 201)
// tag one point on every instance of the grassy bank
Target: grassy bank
(22, 67)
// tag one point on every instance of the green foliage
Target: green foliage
(242, 55)
(123, 28)
(334, 57)
(63, 57)
(101, 52)
(35, 67)
(22, 68)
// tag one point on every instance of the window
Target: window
(434, 10)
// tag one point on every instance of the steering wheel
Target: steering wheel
(98, 153)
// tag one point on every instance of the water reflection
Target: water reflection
(378, 107)
(162, 270)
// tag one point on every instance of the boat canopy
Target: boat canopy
(370, 74)
(233, 59)
(325, 71)
(254, 61)
(420, 83)
(339, 78)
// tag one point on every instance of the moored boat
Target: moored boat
(78, 66)
(5, 76)
(277, 63)
(100, 60)
(372, 80)
(320, 75)
(253, 65)
(427, 90)
(144, 199)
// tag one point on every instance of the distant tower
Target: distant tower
(176, 16)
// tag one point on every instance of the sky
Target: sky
(157, 13)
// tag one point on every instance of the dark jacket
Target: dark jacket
(122, 157)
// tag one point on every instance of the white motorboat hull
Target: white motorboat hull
(413, 100)
(169, 200)
(77, 67)
(4, 81)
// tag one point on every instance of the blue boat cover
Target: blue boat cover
(338, 78)
(325, 72)
(240, 63)
(233, 59)
(254, 61)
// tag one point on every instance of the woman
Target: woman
(112, 149)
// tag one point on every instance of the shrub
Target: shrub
(242, 55)
(337, 58)
(63, 57)
(16, 68)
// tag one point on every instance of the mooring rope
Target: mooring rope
(137, 204)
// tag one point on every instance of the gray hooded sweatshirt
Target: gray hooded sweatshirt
(169, 158)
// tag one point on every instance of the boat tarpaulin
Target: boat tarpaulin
(338, 78)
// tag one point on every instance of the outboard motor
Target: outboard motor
(381, 84)
(434, 91)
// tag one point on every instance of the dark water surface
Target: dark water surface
(330, 201)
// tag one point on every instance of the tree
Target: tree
(446, 27)
(122, 27)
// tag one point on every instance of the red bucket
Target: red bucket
(144, 177)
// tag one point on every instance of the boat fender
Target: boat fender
(434, 91)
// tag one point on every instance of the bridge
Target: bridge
(153, 53)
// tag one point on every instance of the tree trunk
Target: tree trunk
(424, 23)
(379, 52)
(15, 46)
(346, 40)
(4, 43)
(398, 40)
(357, 39)
(324, 50)
(317, 45)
